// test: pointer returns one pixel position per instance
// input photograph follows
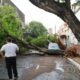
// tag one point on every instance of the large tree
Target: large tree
(10, 26)
(62, 10)
(9, 21)
(36, 29)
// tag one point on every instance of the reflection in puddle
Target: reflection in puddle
(62, 71)
(59, 66)
(48, 76)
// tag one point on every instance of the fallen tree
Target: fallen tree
(25, 44)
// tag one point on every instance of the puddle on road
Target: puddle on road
(65, 71)
(56, 75)
(59, 66)
(48, 76)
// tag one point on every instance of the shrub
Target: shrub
(41, 41)
(52, 38)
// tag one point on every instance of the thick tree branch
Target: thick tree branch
(63, 11)
(49, 5)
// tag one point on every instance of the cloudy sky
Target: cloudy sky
(34, 13)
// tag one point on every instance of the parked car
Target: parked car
(53, 48)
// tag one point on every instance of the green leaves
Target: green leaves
(40, 41)
(52, 38)
(9, 20)
(35, 33)
(36, 28)
(9, 23)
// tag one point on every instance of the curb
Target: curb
(74, 63)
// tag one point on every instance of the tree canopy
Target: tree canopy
(36, 29)
(9, 21)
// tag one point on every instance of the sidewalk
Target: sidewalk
(75, 61)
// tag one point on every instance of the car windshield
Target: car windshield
(53, 46)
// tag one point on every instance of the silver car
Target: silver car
(53, 48)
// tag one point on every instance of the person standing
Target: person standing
(10, 50)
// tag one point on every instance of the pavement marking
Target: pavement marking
(59, 67)
(37, 67)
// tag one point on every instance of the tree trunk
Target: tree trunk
(63, 11)
(25, 44)
(74, 24)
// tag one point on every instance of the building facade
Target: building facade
(65, 30)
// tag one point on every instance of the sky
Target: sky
(33, 13)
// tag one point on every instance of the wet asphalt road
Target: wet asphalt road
(42, 68)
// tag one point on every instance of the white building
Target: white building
(65, 30)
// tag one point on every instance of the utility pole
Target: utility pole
(55, 29)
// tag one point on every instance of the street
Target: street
(36, 67)
(44, 35)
